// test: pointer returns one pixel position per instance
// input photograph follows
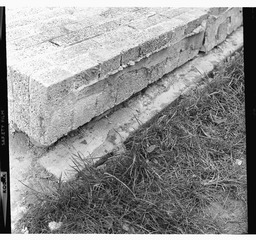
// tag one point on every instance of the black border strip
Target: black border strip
(5, 216)
(249, 22)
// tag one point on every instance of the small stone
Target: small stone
(54, 225)
(151, 148)
(24, 230)
(239, 162)
(155, 161)
(128, 228)
(125, 227)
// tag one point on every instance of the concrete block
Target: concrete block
(31, 19)
(219, 25)
(19, 86)
(39, 30)
(193, 19)
(113, 44)
(141, 13)
(84, 110)
(25, 55)
(51, 105)
(217, 10)
(17, 13)
(86, 22)
(38, 38)
(39, 115)
(85, 11)
(149, 21)
(157, 38)
(61, 120)
(171, 12)
(60, 80)
(25, 42)
(19, 91)
(18, 33)
(92, 101)
(56, 107)
(89, 12)
(96, 99)
(85, 69)
(134, 44)
(175, 55)
(114, 12)
(65, 55)
(109, 60)
(122, 43)
(101, 96)
(85, 33)
(92, 17)
(222, 31)
(129, 83)
(235, 20)
(41, 102)
(173, 31)
(85, 17)
(58, 21)
(57, 81)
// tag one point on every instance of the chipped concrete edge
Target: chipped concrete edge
(97, 138)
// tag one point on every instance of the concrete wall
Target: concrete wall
(68, 65)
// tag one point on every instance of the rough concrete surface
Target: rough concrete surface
(69, 65)
(35, 166)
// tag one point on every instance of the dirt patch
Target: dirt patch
(24, 170)
(231, 217)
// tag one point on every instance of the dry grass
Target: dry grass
(175, 170)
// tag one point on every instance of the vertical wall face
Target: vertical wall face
(221, 22)
(77, 63)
